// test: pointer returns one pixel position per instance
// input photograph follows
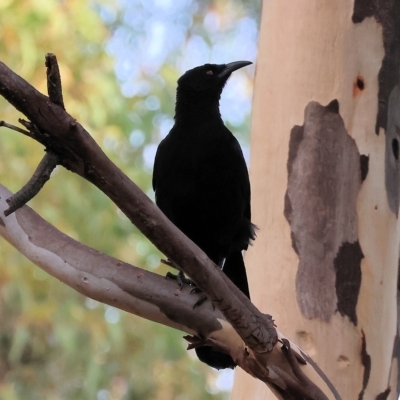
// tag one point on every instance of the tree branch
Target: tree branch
(151, 296)
(101, 277)
(33, 186)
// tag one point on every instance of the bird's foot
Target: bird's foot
(200, 301)
(202, 298)
(180, 278)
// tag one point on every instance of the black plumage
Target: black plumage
(201, 180)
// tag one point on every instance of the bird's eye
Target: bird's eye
(209, 72)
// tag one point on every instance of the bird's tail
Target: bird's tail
(235, 270)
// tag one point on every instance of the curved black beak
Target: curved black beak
(233, 66)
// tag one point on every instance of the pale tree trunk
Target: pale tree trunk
(325, 189)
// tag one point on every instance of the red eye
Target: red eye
(209, 72)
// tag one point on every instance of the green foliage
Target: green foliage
(55, 343)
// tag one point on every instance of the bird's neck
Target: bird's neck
(196, 109)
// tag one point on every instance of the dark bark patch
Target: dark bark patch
(288, 212)
(296, 137)
(358, 86)
(395, 148)
(396, 344)
(386, 13)
(293, 238)
(324, 178)
(360, 82)
(398, 282)
(384, 395)
(363, 9)
(364, 165)
(366, 362)
(348, 279)
(333, 107)
(392, 163)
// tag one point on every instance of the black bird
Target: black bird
(201, 180)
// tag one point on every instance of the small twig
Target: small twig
(33, 130)
(33, 186)
(51, 159)
(15, 128)
(169, 263)
(304, 387)
(54, 88)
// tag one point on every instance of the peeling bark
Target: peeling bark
(384, 395)
(396, 350)
(103, 278)
(348, 278)
(392, 162)
(366, 362)
(324, 175)
(364, 164)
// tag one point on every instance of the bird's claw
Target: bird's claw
(180, 278)
(200, 301)
(195, 290)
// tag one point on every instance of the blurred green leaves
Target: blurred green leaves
(54, 343)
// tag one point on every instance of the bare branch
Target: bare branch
(33, 186)
(103, 278)
(16, 128)
(50, 160)
(54, 88)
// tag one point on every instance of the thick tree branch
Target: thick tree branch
(103, 278)
(153, 297)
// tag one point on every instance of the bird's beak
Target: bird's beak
(233, 66)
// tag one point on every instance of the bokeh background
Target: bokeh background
(119, 63)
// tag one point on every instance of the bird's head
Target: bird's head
(208, 80)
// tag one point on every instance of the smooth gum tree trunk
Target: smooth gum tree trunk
(325, 189)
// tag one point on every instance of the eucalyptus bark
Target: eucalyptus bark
(325, 185)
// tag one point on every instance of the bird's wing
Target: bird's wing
(159, 165)
(242, 175)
